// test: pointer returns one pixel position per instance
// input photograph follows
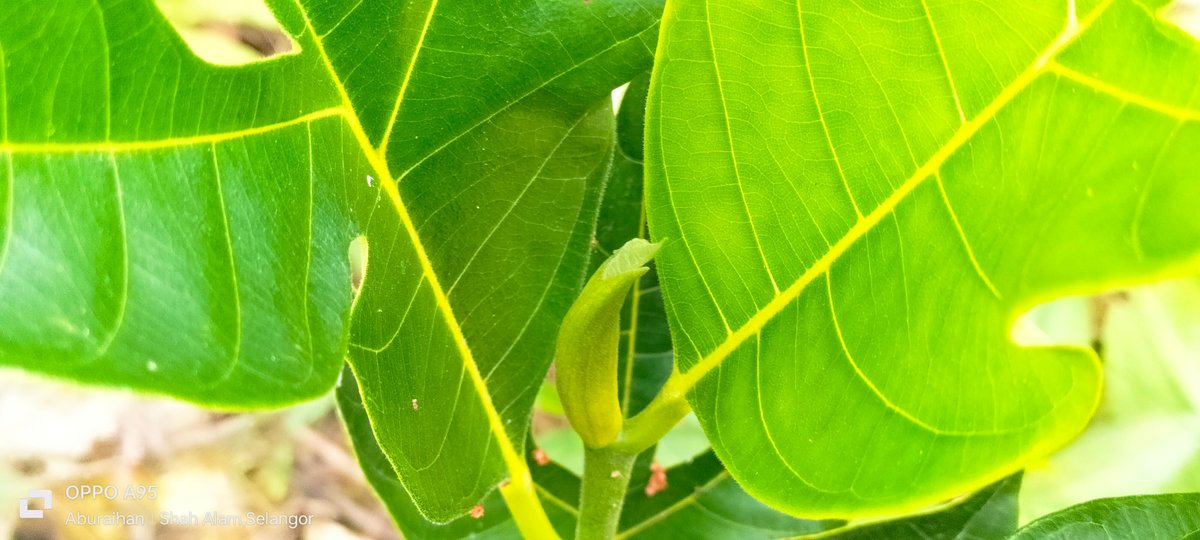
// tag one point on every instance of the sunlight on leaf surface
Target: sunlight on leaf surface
(854, 225)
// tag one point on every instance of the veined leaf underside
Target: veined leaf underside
(847, 190)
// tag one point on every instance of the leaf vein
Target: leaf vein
(962, 235)
(408, 72)
(134, 146)
(10, 196)
(762, 416)
(541, 301)
(235, 357)
(124, 298)
(962, 117)
(544, 84)
(308, 259)
(345, 16)
(863, 376)
(1180, 113)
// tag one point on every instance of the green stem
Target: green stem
(662, 414)
(605, 480)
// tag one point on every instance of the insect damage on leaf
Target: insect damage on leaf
(358, 265)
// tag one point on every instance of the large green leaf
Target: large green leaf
(558, 488)
(182, 228)
(702, 501)
(1163, 517)
(860, 198)
(989, 514)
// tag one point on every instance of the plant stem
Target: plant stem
(605, 480)
(663, 413)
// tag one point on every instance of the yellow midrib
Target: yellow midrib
(687, 380)
(520, 478)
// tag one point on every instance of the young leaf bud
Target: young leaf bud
(586, 355)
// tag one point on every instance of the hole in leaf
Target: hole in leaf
(358, 265)
(1074, 320)
(1184, 14)
(228, 32)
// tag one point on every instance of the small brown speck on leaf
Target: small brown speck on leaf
(658, 479)
(477, 511)
(504, 483)
(540, 457)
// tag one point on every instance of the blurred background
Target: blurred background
(1145, 439)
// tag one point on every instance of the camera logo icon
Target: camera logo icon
(36, 494)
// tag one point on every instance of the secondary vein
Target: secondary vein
(408, 72)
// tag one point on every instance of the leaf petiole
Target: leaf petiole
(663, 413)
(526, 510)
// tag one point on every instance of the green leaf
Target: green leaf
(702, 501)
(989, 514)
(181, 228)
(558, 488)
(854, 224)
(1166, 517)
